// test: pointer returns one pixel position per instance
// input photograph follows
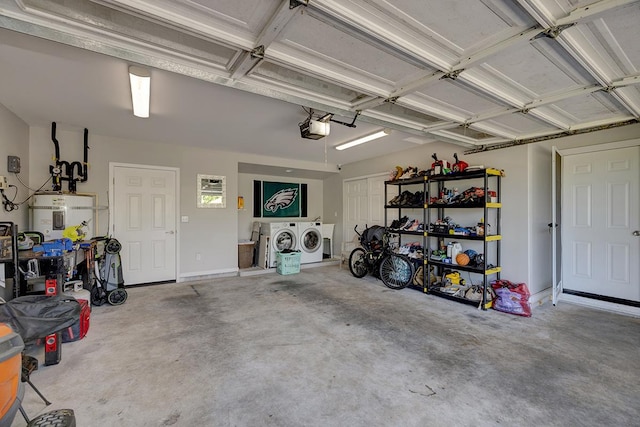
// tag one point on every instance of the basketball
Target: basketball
(462, 259)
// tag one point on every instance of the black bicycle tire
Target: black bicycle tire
(362, 263)
(401, 266)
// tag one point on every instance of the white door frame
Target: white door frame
(604, 305)
(557, 285)
(113, 165)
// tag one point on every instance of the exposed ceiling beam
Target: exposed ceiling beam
(248, 60)
(592, 11)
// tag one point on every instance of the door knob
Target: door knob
(170, 232)
(636, 233)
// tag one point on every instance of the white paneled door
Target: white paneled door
(144, 221)
(601, 208)
(363, 204)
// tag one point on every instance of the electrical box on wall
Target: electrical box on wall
(13, 164)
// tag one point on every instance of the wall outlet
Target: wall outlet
(3, 183)
(13, 164)
(198, 256)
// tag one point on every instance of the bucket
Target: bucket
(74, 289)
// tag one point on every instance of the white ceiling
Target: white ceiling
(472, 73)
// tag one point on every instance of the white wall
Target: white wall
(245, 189)
(14, 138)
(14, 141)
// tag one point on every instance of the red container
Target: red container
(52, 349)
(78, 330)
(51, 287)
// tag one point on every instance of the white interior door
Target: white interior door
(356, 205)
(364, 204)
(376, 199)
(144, 221)
(600, 211)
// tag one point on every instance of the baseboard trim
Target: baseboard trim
(541, 297)
(601, 305)
(204, 275)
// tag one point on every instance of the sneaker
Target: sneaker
(396, 224)
(414, 226)
(403, 222)
(395, 200)
(410, 224)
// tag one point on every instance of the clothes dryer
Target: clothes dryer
(281, 236)
(310, 242)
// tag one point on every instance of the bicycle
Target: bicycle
(377, 257)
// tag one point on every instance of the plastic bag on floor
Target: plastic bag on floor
(512, 298)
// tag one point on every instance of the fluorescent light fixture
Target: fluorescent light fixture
(363, 139)
(140, 79)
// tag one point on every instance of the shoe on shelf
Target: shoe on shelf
(396, 224)
(410, 224)
(417, 198)
(414, 226)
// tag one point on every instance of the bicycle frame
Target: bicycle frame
(373, 257)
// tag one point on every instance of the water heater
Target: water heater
(51, 213)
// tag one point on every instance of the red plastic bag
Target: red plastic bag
(512, 298)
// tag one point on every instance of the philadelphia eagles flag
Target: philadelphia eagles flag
(279, 199)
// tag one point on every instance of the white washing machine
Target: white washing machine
(281, 236)
(310, 242)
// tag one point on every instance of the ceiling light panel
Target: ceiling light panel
(140, 80)
(363, 139)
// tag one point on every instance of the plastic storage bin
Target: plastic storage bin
(288, 263)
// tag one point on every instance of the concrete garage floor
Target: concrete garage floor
(322, 348)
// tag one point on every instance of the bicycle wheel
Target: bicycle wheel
(396, 271)
(358, 262)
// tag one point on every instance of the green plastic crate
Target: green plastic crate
(288, 263)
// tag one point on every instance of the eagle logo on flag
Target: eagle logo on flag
(281, 200)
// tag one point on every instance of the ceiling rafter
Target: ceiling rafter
(248, 60)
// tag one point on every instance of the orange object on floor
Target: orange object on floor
(11, 388)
